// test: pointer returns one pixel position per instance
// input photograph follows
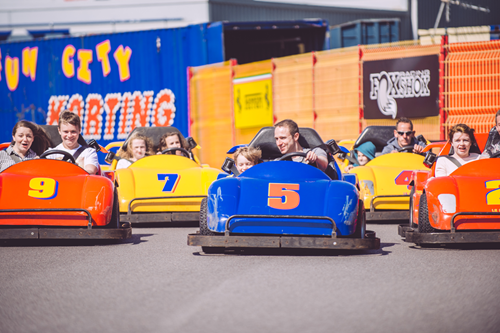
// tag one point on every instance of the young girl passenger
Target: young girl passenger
(138, 146)
(246, 157)
(172, 140)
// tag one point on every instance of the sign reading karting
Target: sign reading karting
(403, 87)
(253, 101)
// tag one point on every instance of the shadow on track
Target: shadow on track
(134, 240)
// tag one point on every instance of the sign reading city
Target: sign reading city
(402, 87)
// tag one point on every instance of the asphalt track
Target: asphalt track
(156, 283)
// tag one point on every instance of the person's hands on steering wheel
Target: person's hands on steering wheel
(416, 149)
(66, 156)
(173, 149)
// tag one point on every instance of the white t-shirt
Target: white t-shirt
(444, 167)
(89, 155)
(123, 163)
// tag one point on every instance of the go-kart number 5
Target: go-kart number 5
(43, 188)
(172, 179)
(278, 191)
(493, 197)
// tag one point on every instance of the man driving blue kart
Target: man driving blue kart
(286, 134)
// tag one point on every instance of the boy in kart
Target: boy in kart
(286, 134)
(493, 148)
(69, 127)
(404, 136)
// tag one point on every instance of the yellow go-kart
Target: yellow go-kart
(384, 181)
(161, 188)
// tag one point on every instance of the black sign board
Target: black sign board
(403, 87)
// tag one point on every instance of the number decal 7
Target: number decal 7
(43, 188)
(172, 180)
(493, 197)
(278, 191)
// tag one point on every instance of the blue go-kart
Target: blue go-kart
(284, 204)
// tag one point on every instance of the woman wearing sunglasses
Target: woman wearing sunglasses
(404, 136)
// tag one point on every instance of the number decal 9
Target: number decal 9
(172, 179)
(493, 197)
(43, 188)
(278, 191)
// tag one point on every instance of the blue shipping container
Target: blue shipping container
(364, 32)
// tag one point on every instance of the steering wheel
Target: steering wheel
(66, 156)
(290, 155)
(182, 150)
(406, 148)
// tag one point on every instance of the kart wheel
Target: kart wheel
(115, 216)
(424, 225)
(361, 221)
(412, 224)
(203, 219)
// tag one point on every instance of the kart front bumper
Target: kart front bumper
(288, 242)
(460, 237)
(124, 232)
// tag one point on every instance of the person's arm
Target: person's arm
(387, 149)
(89, 161)
(417, 149)
(318, 157)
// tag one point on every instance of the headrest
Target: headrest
(54, 136)
(154, 133)
(264, 139)
(378, 135)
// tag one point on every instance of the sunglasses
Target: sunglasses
(408, 133)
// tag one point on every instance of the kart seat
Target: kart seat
(55, 138)
(378, 135)
(308, 138)
(154, 133)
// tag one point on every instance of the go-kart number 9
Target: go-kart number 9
(278, 191)
(43, 188)
(493, 197)
(172, 179)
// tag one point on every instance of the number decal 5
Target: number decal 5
(172, 179)
(278, 191)
(493, 197)
(43, 188)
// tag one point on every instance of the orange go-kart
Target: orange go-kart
(53, 199)
(463, 207)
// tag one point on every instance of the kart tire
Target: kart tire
(114, 223)
(424, 225)
(412, 224)
(203, 219)
(360, 221)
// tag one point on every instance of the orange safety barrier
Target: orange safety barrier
(210, 107)
(336, 93)
(472, 84)
(293, 89)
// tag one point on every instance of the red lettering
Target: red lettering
(92, 125)
(125, 122)
(111, 106)
(56, 105)
(164, 108)
(75, 105)
(142, 108)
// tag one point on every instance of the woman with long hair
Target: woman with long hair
(138, 146)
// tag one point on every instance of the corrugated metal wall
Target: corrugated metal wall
(248, 10)
(459, 16)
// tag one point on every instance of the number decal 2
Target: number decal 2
(278, 191)
(172, 179)
(493, 197)
(43, 188)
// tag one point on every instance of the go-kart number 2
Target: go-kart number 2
(172, 179)
(283, 196)
(493, 197)
(43, 188)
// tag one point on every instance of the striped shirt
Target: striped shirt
(7, 161)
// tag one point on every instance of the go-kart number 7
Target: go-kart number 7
(278, 191)
(43, 188)
(493, 197)
(171, 180)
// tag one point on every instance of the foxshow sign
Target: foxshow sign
(403, 87)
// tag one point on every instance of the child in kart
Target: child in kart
(365, 153)
(138, 146)
(172, 139)
(69, 127)
(246, 157)
(493, 147)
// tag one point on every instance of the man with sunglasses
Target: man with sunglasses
(404, 136)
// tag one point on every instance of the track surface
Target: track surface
(156, 283)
